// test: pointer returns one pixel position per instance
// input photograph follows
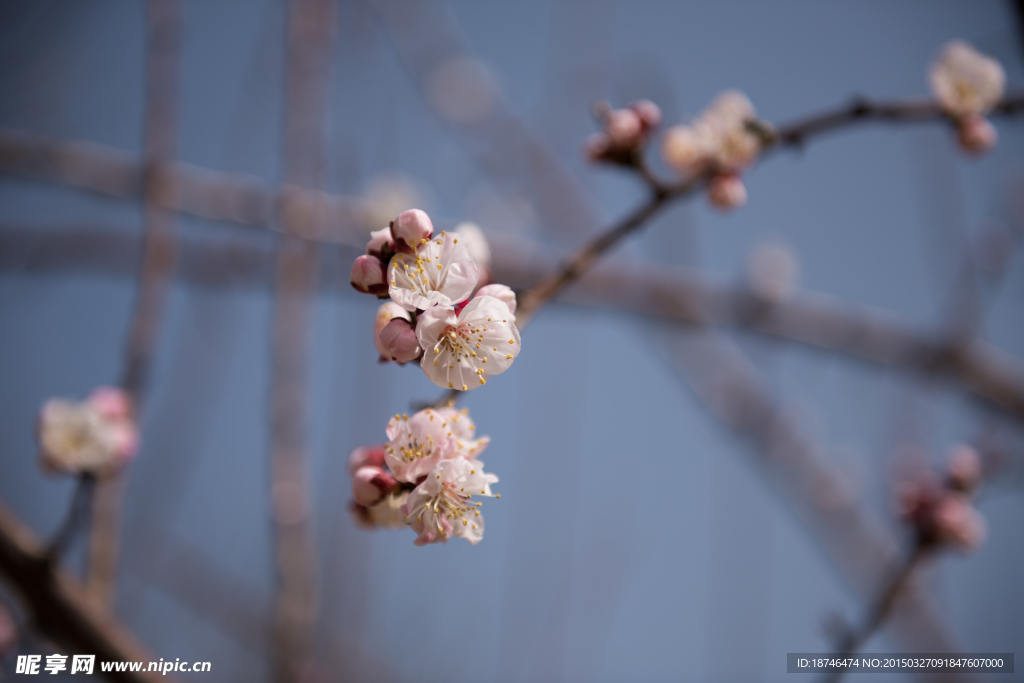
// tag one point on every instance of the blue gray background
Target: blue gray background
(633, 540)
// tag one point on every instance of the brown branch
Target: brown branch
(58, 604)
(720, 375)
(883, 605)
(676, 294)
(155, 274)
(311, 32)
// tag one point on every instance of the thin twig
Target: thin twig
(880, 609)
(76, 519)
(58, 605)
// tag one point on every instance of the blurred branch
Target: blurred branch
(722, 378)
(676, 294)
(886, 601)
(59, 606)
(311, 33)
(77, 517)
(159, 250)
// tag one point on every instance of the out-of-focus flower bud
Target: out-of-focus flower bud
(502, 293)
(727, 192)
(369, 484)
(964, 468)
(361, 516)
(772, 271)
(387, 513)
(976, 135)
(684, 148)
(366, 456)
(624, 128)
(649, 113)
(966, 82)
(381, 244)
(410, 228)
(387, 312)
(399, 338)
(958, 524)
(369, 275)
(111, 402)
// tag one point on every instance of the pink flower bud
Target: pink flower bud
(111, 402)
(380, 242)
(369, 484)
(387, 312)
(410, 228)
(958, 524)
(976, 135)
(369, 275)
(624, 128)
(366, 456)
(649, 113)
(126, 440)
(399, 338)
(726, 192)
(964, 468)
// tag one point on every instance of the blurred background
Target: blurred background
(638, 537)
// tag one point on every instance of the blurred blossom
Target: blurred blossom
(958, 524)
(442, 505)
(479, 249)
(719, 140)
(365, 455)
(772, 271)
(464, 349)
(624, 132)
(90, 436)
(462, 90)
(964, 468)
(387, 514)
(387, 312)
(976, 135)
(727, 192)
(439, 272)
(966, 82)
(369, 484)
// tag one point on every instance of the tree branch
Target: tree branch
(58, 604)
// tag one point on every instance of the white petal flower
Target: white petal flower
(461, 352)
(76, 437)
(718, 137)
(503, 293)
(461, 427)
(966, 82)
(440, 273)
(417, 444)
(442, 505)
(685, 148)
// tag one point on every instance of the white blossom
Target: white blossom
(442, 506)
(503, 293)
(718, 139)
(966, 82)
(387, 312)
(462, 351)
(416, 444)
(78, 437)
(462, 428)
(439, 273)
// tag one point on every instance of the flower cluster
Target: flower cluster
(425, 477)
(968, 85)
(725, 139)
(87, 437)
(940, 511)
(460, 341)
(624, 132)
